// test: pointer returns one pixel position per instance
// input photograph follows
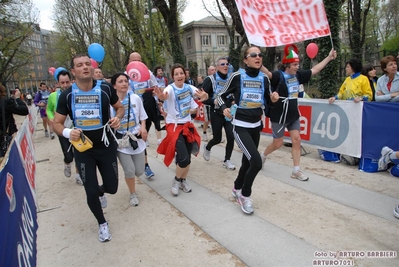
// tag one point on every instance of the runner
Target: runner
(285, 114)
(87, 102)
(213, 85)
(249, 87)
(131, 153)
(207, 109)
(64, 81)
(182, 138)
(41, 101)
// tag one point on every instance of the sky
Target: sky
(194, 11)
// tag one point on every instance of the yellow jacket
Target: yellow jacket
(355, 87)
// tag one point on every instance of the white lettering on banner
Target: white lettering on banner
(325, 128)
(25, 250)
(280, 22)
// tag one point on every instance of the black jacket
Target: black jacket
(12, 106)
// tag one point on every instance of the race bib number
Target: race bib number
(87, 113)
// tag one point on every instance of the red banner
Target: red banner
(270, 23)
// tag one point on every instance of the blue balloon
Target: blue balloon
(96, 52)
(58, 70)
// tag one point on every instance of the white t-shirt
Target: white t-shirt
(137, 105)
(170, 104)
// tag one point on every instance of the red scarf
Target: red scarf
(168, 144)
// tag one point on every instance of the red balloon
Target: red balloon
(51, 70)
(311, 50)
(94, 63)
(137, 71)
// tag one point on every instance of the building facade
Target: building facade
(204, 41)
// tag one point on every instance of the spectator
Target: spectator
(370, 72)
(10, 106)
(356, 86)
(388, 84)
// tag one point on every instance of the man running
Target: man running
(213, 85)
(87, 102)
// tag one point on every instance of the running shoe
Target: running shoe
(396, 212)
(78, 179)
(299, 175)
(134, 200)
(104, 201)
(52, 135)
(246, 204)
(385, 158)
(228, 165)
(46, 134)
(263, 157)
(104, 235)
(148, 172)
(204, 137)
(206, 154)
(175, 187)
(236, 194)
(159, 141)
(185, 186)
(67, 170)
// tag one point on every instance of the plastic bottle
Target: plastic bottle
(233, 110)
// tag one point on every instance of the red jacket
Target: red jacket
(168, 144)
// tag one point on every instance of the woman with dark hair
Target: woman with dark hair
(13, 105)
(131, 154)
(250, 88)
(356, 86)
(370, 72)
(388, 84)
(182, 138)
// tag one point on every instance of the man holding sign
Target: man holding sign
(285, 113)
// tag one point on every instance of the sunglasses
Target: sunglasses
(253, 55)
(224, 64)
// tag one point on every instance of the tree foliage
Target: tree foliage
(357, 11)
(17, 18)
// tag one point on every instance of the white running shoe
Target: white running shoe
(78, 179)
(175, 187)
(385, 158)
(246, 204)
(185, 186)
(228, 165)
(206, 154)
(236, 194)
(204, 137)
(299, 175)
(104, 201)
(134, 200)
(263, 157)
(104, 235)
(67, 170)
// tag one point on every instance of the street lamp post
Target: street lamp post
(146, 16)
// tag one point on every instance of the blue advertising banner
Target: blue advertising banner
(380, 128)
(18, 221)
